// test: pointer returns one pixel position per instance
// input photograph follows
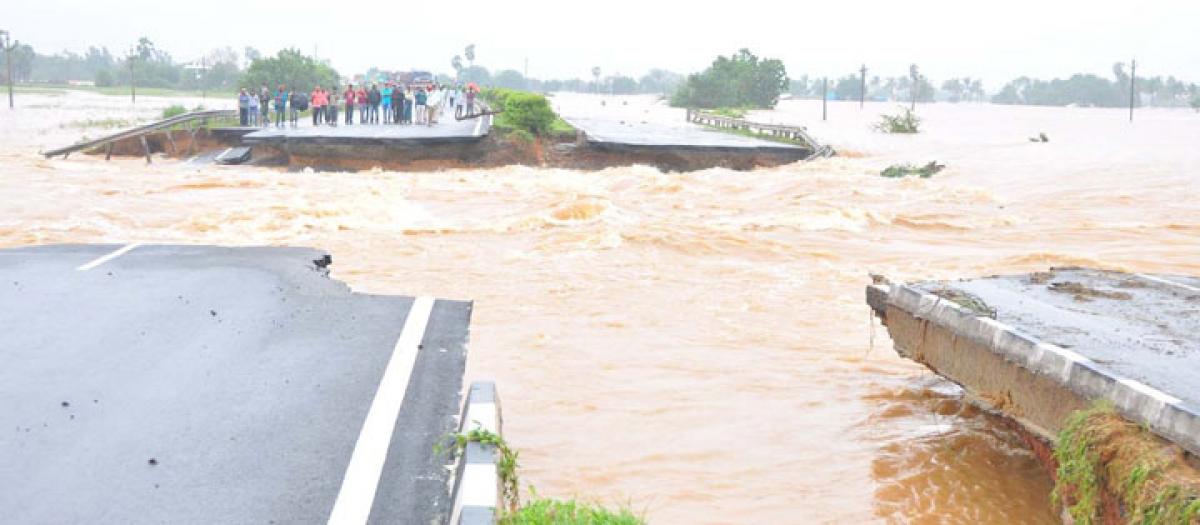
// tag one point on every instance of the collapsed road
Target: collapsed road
(190, 384)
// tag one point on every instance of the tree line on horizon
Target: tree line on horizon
(741, 79)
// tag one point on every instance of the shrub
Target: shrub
(906, 122)
(173, 110)
(529, 112)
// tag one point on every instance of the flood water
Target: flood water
(695, 345)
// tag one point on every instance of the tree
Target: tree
(510, 79)
(290, 67)
(1082, 90)
(622, 85)
(847, 88)
(457, 64)
(739, 80)
(470, 54)
(23, 56)
(1195, 102)
(251, 54)
(659, 81)
(954, 89)
(477, 74)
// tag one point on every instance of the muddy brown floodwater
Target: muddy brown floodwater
(693, 345)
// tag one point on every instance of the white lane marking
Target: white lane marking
(357, 496)
(117, 253)
(1168, 282)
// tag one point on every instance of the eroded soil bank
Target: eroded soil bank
(492, 151)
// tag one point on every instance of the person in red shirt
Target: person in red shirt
(360, 97)
(350, 99)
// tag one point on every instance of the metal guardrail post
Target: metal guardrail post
(477, 486)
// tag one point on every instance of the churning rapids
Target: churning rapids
(693, 345)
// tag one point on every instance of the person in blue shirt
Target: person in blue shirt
(281, 99)
(243, 107)
(387, 102)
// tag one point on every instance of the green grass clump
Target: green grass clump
(536, 511)
(905, 122)
(569, 512)
(173, 110)
(1098, 451)
(561, 129)
(734, 112)
(897, 171)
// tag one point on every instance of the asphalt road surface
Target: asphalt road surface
(177, 384)
(1144, 327)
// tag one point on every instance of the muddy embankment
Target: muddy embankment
(492, 151)
(1106, 469)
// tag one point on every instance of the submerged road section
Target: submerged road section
(181, 384)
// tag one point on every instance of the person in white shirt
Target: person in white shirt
(433, 105)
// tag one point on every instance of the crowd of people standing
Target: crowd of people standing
(395, 103)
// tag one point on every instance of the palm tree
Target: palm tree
(456, 63)
(596, 74)
(470, 53)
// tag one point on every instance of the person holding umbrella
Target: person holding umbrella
(472, 89)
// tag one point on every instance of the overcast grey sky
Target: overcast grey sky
(996, 40)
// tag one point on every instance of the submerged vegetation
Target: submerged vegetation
(897, 171)
(1099, 452)
(904, 122)
(535, 511)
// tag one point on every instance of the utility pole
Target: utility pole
(132, 80)
(916, 79)
(1132, 86)
(8, 61)
(824, 98)
(862, 93)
